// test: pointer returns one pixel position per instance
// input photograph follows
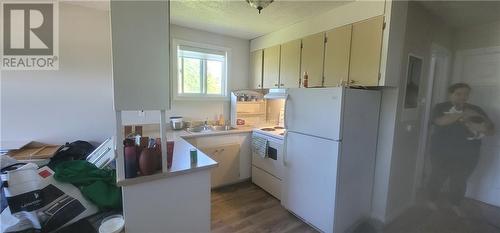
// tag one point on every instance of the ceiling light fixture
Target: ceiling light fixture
(259, 4)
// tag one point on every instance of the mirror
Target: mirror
(413, 75)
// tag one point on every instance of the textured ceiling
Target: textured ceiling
(237, 18)
(465, 13)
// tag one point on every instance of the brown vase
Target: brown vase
(157, 150)
(130, 159)
(148, 161)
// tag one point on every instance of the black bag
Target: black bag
(77, 150)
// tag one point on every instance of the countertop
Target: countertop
(173, 135)
(187, 134)
(181, 160)
(181, 164)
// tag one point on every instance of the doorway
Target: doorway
(438, 81)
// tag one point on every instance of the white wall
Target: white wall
(199, 110)
(423, 29)
(75, 102)
(399, 134)
(481, 36)
(339, 16)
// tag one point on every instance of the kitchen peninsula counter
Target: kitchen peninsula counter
(181, 164)
(176, 200)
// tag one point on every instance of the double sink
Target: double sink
(209, 128)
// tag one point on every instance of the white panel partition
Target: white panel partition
(140, 41)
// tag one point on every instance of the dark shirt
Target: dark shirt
(455, 137)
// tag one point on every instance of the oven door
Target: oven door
(273, 162)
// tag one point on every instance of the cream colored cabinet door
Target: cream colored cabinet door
(290, 64)
(337, 52)
(312, 58)
(140, 73)
(366, 46)
(271, 74)
(228, 159)
(256, 69)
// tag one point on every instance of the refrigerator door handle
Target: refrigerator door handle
(285, 110)
(285, 139)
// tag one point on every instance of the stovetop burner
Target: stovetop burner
(268, 129)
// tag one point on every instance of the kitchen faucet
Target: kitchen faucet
(205, 125)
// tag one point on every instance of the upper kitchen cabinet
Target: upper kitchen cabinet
(271, 74)
(290, 64)
(337, 52)
(256, 69)
(140, 40)
(366, 47)
(312, 58)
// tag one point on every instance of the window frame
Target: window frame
(176, 43)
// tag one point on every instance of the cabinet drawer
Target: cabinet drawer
(267, 182)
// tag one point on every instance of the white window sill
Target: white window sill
(201, 98)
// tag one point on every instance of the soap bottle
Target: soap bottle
(305, 81)
(221, 121)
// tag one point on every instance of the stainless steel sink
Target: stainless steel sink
(200, 129)
(210, 128)
(222, 128)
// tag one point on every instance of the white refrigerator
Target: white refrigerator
(329, 156)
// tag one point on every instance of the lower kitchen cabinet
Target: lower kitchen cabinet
(228, 159)
(231, 151)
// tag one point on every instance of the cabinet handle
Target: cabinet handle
(258, 85)
(282, 84)
(275, 85)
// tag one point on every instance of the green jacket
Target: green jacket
(97, 185)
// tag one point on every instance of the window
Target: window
(201, 71)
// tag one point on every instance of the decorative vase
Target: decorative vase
(148, 161)
(130, 159)
(157, 149)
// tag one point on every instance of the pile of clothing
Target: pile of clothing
(70, 194)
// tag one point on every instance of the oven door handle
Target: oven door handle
(285, 139)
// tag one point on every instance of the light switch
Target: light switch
(409, 128)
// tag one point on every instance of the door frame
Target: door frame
(437, 52)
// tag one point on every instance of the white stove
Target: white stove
(273, 131)
(267, 158)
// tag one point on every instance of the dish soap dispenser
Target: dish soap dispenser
(221, 120)
(305, 80)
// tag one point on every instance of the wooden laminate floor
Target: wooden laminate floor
(478, 218)
(245, 207)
